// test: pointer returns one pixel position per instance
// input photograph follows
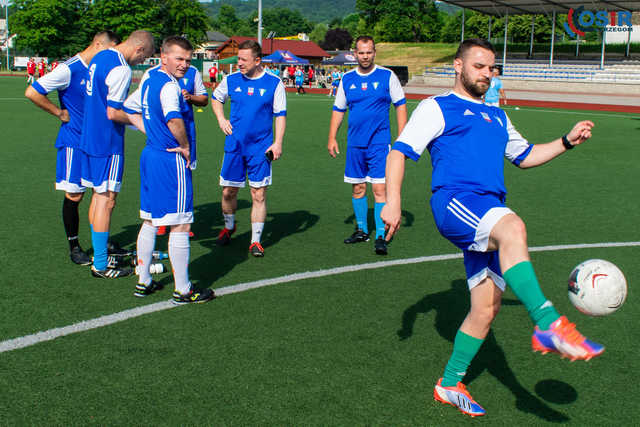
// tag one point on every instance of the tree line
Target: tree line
(59, 28)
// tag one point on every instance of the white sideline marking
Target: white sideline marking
(51, 334)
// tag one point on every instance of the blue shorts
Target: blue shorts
(466, 220)
(102, 173)
(335, 83)
(166, 189)
(299, 82)
(236, 167)
(366, 164)
(69, 170)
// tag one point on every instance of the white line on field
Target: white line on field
(51, 334)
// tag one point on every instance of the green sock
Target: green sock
(523, 282)
(465, 348)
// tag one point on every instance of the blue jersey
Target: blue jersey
(159, 99)
(493, 94)
(467, 141)
(69, 79)
(368, 96)
(192, 83)
(108, 85)
(254, 104)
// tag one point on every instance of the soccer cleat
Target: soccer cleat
(256, 249)
(80, 257)
(162, 230)
(357, 237)
(459, 397)
(224, 238)
(111, 272)
(195, 296)
(562, 337)
(114, 249)
(143, 290)
(381, 246)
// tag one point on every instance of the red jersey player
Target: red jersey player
(31, 70)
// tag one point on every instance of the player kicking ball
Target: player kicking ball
(250, 144)
(467, 141)
(166, 190)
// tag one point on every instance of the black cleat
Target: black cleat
(143, 290)
(381, 246)
(114, 249)
(224, 238)
(195, 296)
(111, 272)
(80, 257)
(256, 250)
(357, 237)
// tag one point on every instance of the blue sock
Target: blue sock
(99, 240)
(379, 222)
(360, 208)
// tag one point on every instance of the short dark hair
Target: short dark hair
(364, 39)
(108, 35)
(253, 45)
(469, 43)
(176, 41)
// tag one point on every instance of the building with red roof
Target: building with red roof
(307, 50)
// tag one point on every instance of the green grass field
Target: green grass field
(357, 348)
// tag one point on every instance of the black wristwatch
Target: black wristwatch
(566, 143)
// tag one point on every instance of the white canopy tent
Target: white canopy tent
(541, 7)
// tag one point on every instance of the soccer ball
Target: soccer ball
(597, 287)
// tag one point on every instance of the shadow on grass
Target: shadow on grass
(451, 308)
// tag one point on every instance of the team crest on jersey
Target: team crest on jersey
(250, 91)
(238, 89)
(352, 86)
(486, 117)
(262, 91)
(375, 85)
(364, 85)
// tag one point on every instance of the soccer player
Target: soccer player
(42, 67)
(69, 80)
(250, 145)
(54, 64)
(213, 72)
(102, 140)
(467, 141)
(299, 74)
(335, 82)
(367, 91)
(495, 91)
(31, 71)
(166, 190)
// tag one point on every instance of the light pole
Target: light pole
(5, 3)
(260, 22)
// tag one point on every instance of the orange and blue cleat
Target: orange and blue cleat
(563, 338)
(459, 397)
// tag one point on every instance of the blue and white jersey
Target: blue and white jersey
(192, 83)
(467, 141)
(493, 94)
(254, 103)
(159, 99)
(368, 96)
(336, 75)
(69, 79)
(108, 85)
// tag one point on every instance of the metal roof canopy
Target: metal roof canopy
(539, 7)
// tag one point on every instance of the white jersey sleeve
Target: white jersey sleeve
(517, 147)
(340, 104)
(118, 81)
(58, 79)
(280, 100)
(395, 90)
(133, 104)
(222, 91)
(170, 99)
(198, 85)
(425, 125)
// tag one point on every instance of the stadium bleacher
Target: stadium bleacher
(619, 72)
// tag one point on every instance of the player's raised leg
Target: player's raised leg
(553, 333)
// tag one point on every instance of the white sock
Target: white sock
(144, 251)
(256, 231)
(179, 256)
(229, 221)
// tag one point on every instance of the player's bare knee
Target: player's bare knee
(229, 193)
(258, 195)
(74, 197)
(379, 193)
(359, 190)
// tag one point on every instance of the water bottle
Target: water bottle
(155, 268)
